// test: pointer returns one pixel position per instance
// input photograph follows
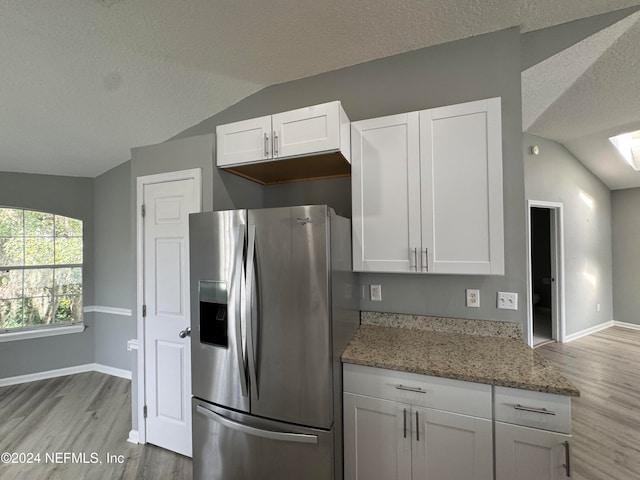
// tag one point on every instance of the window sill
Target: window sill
(43, 332)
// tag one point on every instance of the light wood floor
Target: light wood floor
(606, 418)
(91, 412)
(89, 415)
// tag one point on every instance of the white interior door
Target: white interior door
(166, 298)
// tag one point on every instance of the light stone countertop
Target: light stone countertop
(482, 359)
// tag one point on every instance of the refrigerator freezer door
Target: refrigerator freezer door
(231, 445)
(218, 355)
(290, 345)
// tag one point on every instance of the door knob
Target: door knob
(185, 333)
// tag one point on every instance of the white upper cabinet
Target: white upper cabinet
(385, 174)
(461, 174)
(429, 202)
(320, 128)
(317, 137)
(245, 141)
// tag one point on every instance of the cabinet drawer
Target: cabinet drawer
(455, 396)
(533, 409)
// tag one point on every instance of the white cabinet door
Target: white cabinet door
(386, 193)
(377, 439)
(244, 142)
(461, 178)
(451, 446)
(524, 453)
(306, 130)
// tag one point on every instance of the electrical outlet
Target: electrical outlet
(507, 301)
(597, 307)
(375, 292)
(473, 297)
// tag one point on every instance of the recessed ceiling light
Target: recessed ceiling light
(628, 144)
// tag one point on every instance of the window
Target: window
(40, 270)
(628, 144)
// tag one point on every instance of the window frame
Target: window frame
(53, 328)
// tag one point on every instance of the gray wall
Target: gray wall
(69, 196)
(333, 192)
(625, 207)
(114, 286)
(557, 176)
(479, 67)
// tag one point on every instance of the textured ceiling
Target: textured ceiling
(587, 93)
(83, 81)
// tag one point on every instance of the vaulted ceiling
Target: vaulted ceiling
(586, 93)
(83, 81)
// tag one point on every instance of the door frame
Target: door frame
(141, 182)
(556, 211)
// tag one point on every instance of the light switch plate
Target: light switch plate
(507, 301)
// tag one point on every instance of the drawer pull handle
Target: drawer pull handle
(410, 389)
(544, 411)
(404, 421)
(567, 456)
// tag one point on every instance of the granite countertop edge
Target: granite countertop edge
(480, 361)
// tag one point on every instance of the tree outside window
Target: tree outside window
(40, 269)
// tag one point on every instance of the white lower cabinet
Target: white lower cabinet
(400, 436)
(451, 446)
(524, 453)
(532, 432)
(376, 441)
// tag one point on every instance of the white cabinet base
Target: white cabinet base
(376, 442)
(524, 453)
(451, 446)
(390, 439)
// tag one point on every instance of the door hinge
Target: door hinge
(144, 411)
(144, 310)
(143, 210)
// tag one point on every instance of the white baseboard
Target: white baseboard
(116, 372)
(598, 328)
(134, 437)
(588, 331)
(630, 326)
(63, 372)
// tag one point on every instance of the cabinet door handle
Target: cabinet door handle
(275, 144)
(404, 423)
(417, 428)
(413, 253)
(425, 260)
(567, 458)
(266, 145)
(543, 411)
(410, 389)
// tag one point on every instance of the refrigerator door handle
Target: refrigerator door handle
(239, 311)
(257, 432)
(250, 294)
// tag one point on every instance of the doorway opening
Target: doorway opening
(545, 312)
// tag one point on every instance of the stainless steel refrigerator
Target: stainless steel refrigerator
(273, 305)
